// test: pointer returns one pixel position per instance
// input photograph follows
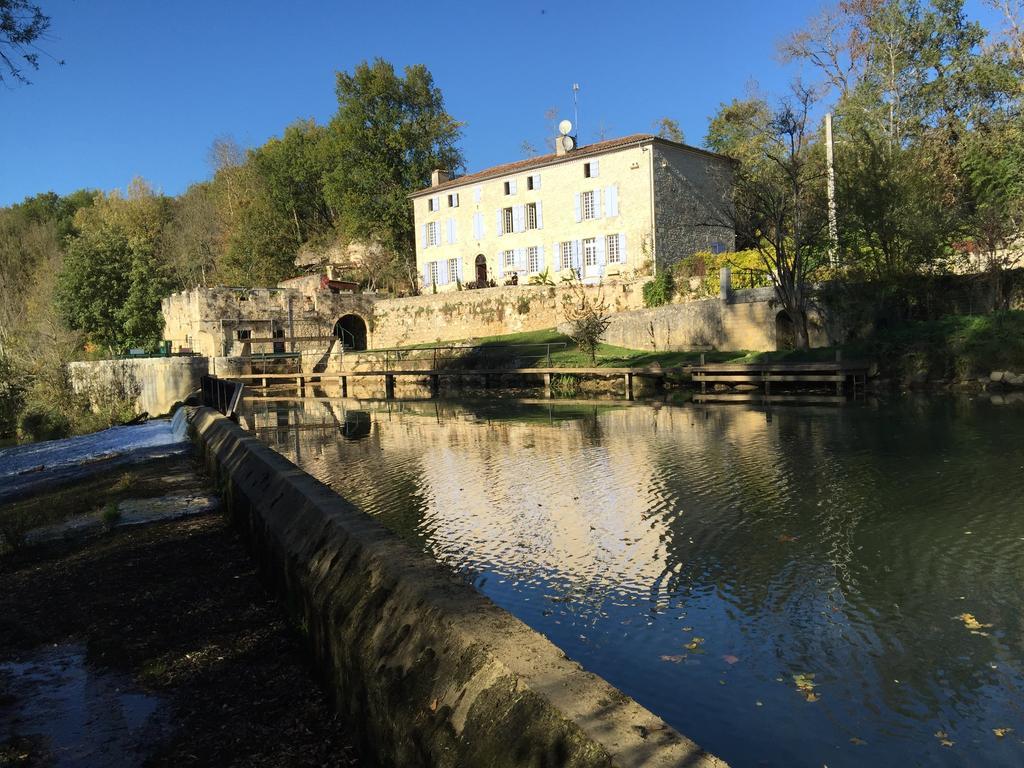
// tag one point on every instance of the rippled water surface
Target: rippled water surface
(806, 587)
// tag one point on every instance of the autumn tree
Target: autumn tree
(22, 25)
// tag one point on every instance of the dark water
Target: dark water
(815, 587)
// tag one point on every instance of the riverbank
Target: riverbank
(124, 644)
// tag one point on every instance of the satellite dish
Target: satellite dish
(568, 143)
(565, 127)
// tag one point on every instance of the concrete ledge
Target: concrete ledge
(427, 671)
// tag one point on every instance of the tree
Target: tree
(667, 128)
(22, 23)
(778, 194)
(587, 317)
(114, 273)
(389, 133)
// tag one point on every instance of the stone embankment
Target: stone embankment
(1007, 379)
(427, 670)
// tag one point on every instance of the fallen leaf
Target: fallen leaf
(857, 741)
(674, 659)
(730, 659)
(805, 685)
(433, 706)
(947, 742)
(786, 538)
(687, 629)
(971, 622)
(1000, 732)
(941, 735)
(694, 644)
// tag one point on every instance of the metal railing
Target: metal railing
(221, 395)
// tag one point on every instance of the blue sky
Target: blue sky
(148, 85)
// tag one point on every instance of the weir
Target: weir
(426, 670)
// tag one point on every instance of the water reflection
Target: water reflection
(701, 558)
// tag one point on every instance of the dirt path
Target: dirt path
(167, 635)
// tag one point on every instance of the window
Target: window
(453, 200)
(510, 187)
(508, 258)
(718, 247)
(533, 182)
(435, 272)
(508, 220)
(590, 170)
(433, 233)
(590, 252)
(613, 249)
(434, 203)
(587, 205)
(533, 259)
(453, 270)
(244, 333)
(565, 254)
(531, 216)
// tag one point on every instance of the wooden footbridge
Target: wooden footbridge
(434, 375)
(758, 380)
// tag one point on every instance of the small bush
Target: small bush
(35, 425)
(660, 290)
(565, 386)
(111, 515)
(523, 305)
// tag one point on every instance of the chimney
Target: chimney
(437, 176)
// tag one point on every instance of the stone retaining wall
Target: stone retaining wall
(426, 671)
(156, 383)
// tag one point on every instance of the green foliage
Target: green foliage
(565, 385)
(11, 397)
(542, 278)
(22, 24)
(667, 128)
(35, 425)
(660, 290)
(111, 515)
(113, 275)
(522, 306)
(389, 133)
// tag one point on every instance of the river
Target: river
(800, 587)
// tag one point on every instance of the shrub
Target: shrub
(660, 290)
(523, 305)
(36, 424)
(587, 317)
(565, 386)
(111, 515)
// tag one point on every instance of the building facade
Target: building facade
(624, 207)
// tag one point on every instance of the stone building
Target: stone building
(628, 206)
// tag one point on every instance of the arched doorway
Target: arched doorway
(351, 329)
(481, 270)
(785, 332)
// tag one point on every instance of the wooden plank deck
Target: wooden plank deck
(843, 374)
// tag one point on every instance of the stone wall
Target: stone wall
(744, 322)
(159, 382)
(426, 670)
(692, 208)
(485, 312)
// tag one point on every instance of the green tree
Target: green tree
(667, 128)
(389, 133)
(114, 273)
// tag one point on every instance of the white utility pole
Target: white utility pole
(833, 234)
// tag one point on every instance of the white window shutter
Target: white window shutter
(442, 272)
(540, 258)
(600, 250)
(501, 263)
(597, 203)
(512, 186)
(536, 181)
(594, 168)
(456, 199)
(540, 216)
(455, 231)
(426, 274)
(622, 248)
(611, 200)
(579, 214)
(576, 261)
(519, 218)
(501, 223)
(423, 234)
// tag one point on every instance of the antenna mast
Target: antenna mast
(576, 107)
